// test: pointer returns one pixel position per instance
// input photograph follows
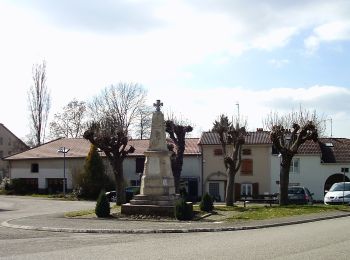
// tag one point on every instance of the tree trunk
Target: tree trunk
(178, 169)
(230, 189)
(177, 183)
(120, 187)
(284, 180)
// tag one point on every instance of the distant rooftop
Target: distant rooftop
(79, 148)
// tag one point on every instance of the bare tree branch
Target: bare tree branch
(71, 123)
(288, 133)
(39, 103)
(113, 112)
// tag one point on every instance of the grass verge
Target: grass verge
(88, 212)
(267, 212)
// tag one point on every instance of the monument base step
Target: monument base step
(148, 210)
(160, 200)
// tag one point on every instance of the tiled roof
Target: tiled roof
(309, 147)
(335, 150)
(79, 148)
(338, 152)
(331, 150)
(259, 137)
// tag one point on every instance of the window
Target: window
(10, 152)
(295, 166)
(140, 163)
(135, 183)
(246, 151)
(1, 140)
(218, 152)
(247, 167)
(214, 190)
(1, 154)
(34, 167)
(247, 189)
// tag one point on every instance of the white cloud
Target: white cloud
(203, 106)
(331, 31)
(163, 42)
(278, 63)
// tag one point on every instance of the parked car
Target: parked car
(299, 195)
(111, 196)
(338, 193)
(129, 193)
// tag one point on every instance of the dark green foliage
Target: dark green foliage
(93, 178)
(19, 187)
(102, 209)
(183, 210)
(183, 193)
(206, 203)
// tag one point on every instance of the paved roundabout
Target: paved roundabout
(52, 219)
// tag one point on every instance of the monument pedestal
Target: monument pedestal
(157, 193)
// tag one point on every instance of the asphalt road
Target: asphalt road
(318, 240)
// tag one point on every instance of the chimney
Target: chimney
(259, 129)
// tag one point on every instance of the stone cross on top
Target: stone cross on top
(157, 105)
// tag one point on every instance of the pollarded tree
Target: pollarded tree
(114, 143)
(39, 103)
(113, 112)
(71, 122)
(288, 133)
(232, 138)
(177, 132)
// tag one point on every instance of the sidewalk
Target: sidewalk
(58, 223)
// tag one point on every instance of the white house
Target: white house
(316, 166)
(42, 167)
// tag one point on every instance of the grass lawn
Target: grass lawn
(238, 213)
(89, 212)
(259, 212)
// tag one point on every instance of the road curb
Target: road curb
(166, 230)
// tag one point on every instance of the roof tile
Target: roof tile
(80, 147)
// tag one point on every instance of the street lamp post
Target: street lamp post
(64, 150)
(344, 170)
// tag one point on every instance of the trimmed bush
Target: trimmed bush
(184, 194)
(93, 178)
(206, 203)
(183, 210)
(102, 209)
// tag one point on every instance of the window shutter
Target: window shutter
(237, 191)
(247, 166)
(218, 152)
(255, 190)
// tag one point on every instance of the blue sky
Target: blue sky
(199, 57)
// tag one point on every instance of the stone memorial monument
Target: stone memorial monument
(157, 193)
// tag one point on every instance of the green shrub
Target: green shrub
(184, 194)
(18, 186)
(92, 179)
(102, 209)
(206, 203)
(183, 210)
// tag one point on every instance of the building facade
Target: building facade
(9, 144)
(253, 177)
(42, 167)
